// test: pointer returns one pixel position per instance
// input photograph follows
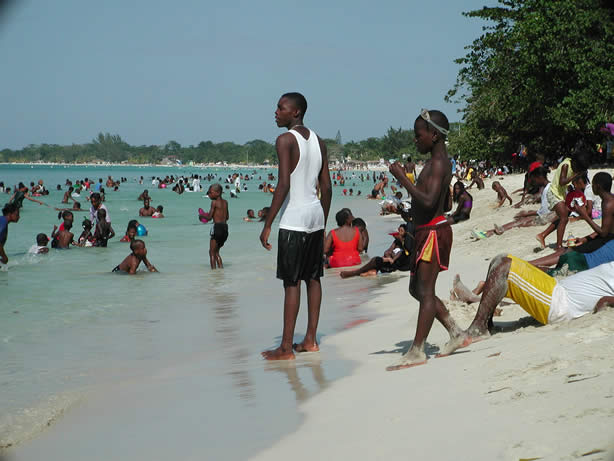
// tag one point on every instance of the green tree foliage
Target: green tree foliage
(394, 144)
(111, 148)
(541, 74)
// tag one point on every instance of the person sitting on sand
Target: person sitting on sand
(602, 184)
(573, 197)
(159, 213)
(568, 170)
(541, 296)
(344, 244)
(478, 181)
(538, 178)
(465, 204)
(361, 225)
(147, 210)
(250, 216)
(574, 261)
(103, 231)
(530, 193)
(392, 204)
(501, 194)
(576, 197)
(131, 231)
(396, 257)
(41, 245)
(131, 263)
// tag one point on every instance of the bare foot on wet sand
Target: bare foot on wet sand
(541, 240)
(345, 274)
(302, 347)
(278, 354)
(411, 359)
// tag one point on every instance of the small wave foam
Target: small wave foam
(21, 425)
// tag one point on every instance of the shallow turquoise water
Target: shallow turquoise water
(70, 328)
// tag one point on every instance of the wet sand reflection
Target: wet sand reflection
(291, 368)
(227, 328)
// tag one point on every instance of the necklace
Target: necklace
(296, 126)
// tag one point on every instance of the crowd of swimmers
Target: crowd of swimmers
(96, 228)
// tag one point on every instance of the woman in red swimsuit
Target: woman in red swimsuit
(344, 244)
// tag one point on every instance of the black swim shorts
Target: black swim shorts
(219, 233)
(300, 255)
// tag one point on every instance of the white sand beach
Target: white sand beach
(529, 392)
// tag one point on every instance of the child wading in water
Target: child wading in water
(104, 231)
(131, 231)
(85, 239)
(219, 231)
(132, 261)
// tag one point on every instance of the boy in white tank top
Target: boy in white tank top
(303, 166)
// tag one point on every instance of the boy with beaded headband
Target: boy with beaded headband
(433, 237)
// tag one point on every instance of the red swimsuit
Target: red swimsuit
(344, 253)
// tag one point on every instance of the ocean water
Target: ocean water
(174, 354)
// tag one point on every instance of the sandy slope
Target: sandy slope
(532, 391)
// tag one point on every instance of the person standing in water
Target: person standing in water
(303, 167)
(10, 213)
(433, 236)
(219, 232)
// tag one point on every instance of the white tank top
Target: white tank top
(302, 210)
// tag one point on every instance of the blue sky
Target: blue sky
(195, 70)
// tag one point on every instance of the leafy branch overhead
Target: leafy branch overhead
(541, 74)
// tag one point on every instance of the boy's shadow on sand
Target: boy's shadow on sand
(513, 325)
(431, 349)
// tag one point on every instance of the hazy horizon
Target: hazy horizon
(194, 71)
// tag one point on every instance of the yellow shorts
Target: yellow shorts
(411, 178)
(531, 288)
